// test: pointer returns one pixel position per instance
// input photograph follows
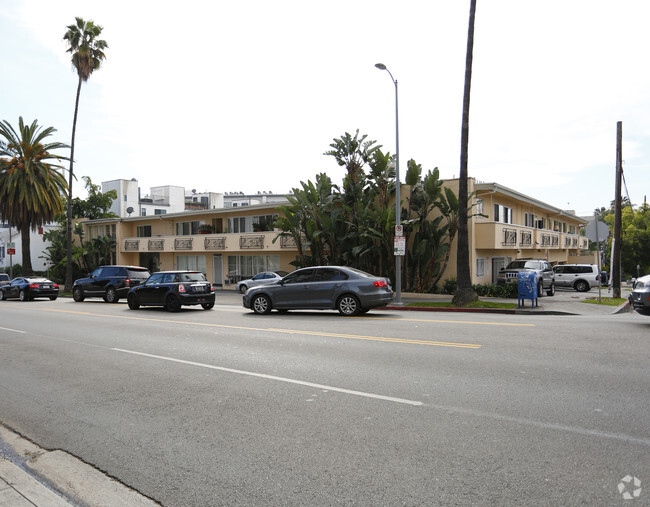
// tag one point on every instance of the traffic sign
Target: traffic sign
(399, 246)
(399, 230)
(597, 231)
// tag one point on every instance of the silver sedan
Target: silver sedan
(348, 290)
(260, 279)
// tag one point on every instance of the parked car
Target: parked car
(109, 282)
(348, 290)
(260, 279)
(4, 279)
(28, 288)
(540, 266)
(640, 296)
(581, 277)
(173, 289)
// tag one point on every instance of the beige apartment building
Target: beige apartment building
(229, 244)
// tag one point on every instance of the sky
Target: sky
(226, 96)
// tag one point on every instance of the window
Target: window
(530, 220)
(143, 231)
(480, 267)
(479, 206)
(256, 223)
(160, 211)
(191, 263)
(305, 275)
(502, 214)
(249, 265)
(329, 274)
(143, 212)
(187, 228)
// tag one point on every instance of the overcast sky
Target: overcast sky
(229, 96)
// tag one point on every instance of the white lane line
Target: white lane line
(12, 330)
(273, 377)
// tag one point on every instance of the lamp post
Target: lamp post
(398, 258)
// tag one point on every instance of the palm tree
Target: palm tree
(87, 55)
(464, 292)
(31, 188)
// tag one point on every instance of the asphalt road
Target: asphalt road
(226, 407)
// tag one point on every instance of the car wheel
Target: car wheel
(53, 298)
(111, 295)
(2, 295)
(581, 286)
(23, 296)
(540, 289)
(243, 289)
(348, 305)
(551, 291)
(173, 303)
(132, 301)
(207, 306)
(261, 304)
(78, 294)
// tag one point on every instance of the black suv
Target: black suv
(109, 282)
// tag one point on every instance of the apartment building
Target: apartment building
(235, 242)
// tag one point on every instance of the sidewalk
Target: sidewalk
(30, 475)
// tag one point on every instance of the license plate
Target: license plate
(45, 286)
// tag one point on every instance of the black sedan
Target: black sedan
(172, 290)
(347, 290)
(28, 288)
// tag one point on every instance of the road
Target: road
(227, 407)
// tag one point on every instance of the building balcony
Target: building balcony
(498, 236)
(204, 243)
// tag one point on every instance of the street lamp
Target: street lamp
(398, 258)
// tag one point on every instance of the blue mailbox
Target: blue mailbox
(527, 283)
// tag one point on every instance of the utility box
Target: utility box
(527, 284)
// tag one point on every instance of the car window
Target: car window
(168, 278)
(137, 273)
(16, 281)
(302, 276)
(97, 272)
(329, 274)
(259, 276)
(4, 277)
(193, 277)
(154, 279)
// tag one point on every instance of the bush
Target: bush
(449, 286)
(506, 290)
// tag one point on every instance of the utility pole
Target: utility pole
(616, 246)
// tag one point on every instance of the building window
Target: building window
(480, 206)
(143, 212)
(143, 231)
(160, 212)
(502, 214)
(187, 228)
(191, 263)
(249, 265)
(480, 268)
(530, 220)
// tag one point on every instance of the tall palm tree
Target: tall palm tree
(87, 55)
(31, 188)
(464, 292)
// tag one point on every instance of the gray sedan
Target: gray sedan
(348, 290)
(260, 279)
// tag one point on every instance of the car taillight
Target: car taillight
(211, 288)
(181, 288)
(55, 285)
(380, 283)
(33, 286)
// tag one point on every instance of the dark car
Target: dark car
(28, 288)
(260, 279)
(173, 289)
(640, 296)
(348, 290)
(109, 282)
(4, 279)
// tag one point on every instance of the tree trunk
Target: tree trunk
(68, 269)
(464, 293)
(27, 254)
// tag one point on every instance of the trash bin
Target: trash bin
(527, 283)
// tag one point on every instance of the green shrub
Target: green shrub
(449, 286)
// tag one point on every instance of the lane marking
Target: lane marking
(441, 321)
(282, 331)
(12, 330)
(273, 377)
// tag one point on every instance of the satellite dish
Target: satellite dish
(129, 210)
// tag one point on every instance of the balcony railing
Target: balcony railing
(509, 237)
(132, 245)
(183, 244)
(526, 239)
(251, 242)
(214, 243)
(156, 245)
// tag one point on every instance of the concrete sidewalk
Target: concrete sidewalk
(30, 475)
